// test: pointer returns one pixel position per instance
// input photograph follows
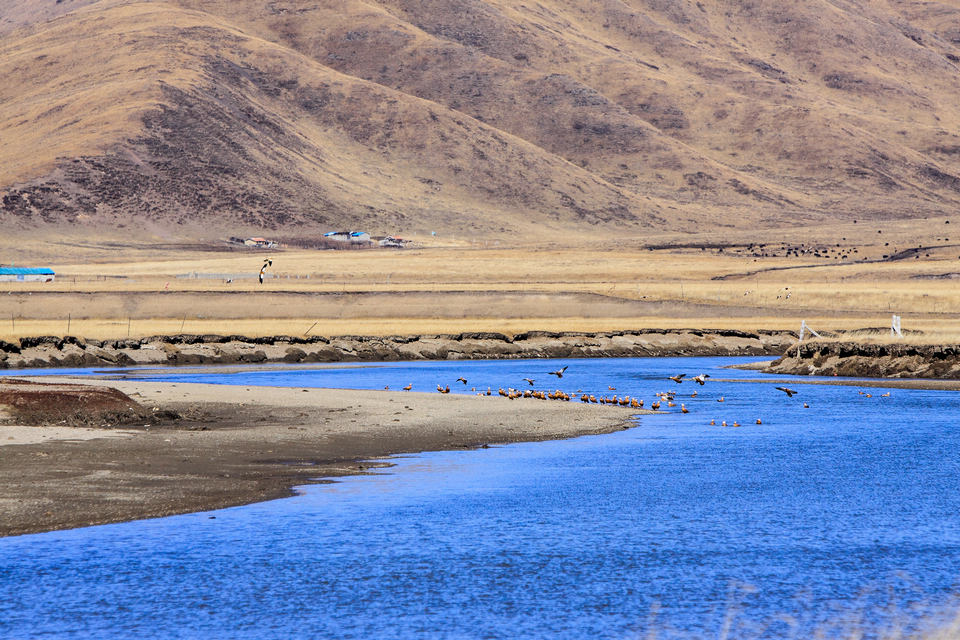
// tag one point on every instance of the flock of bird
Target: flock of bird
(667, 398)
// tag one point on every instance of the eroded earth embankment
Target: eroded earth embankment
(51, 351)
(870, 360)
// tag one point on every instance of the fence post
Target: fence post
(804, 328)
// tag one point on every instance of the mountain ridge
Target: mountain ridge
(481, 118)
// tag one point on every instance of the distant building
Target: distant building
(390, 241)
(360, 237)
(260, 242)
(337, 236)
(26, 274)
(350, 237)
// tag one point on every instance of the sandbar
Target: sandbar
(234, 445)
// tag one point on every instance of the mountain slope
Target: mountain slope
(476, 117)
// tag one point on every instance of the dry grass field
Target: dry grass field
(112, 291)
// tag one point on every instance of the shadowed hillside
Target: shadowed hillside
(476, 118)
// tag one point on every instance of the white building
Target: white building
(26, 274)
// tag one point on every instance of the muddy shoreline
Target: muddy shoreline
(187, 349)
(226, 446)
(854, 359)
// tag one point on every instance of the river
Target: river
(839, 518)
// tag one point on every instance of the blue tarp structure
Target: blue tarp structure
(26, 271)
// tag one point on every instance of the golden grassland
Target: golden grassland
(116, 293)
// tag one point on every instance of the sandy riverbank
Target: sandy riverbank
(236, 445)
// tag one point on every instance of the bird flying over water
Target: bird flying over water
(678, 378)
(789, 392)
(558, 372)
(530, 380)
(462, 379)
(701, 379)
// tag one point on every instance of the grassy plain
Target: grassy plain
(111, 290)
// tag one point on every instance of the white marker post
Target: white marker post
(804, 328)
(895, 327)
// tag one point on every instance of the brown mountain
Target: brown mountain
(480, 118)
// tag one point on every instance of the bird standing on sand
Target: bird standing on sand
(678, 378)
(266, 263)
(408, 387)
(558, 372)
(787, 391)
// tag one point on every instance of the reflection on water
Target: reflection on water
(837, 519)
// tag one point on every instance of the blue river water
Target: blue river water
(841, 519)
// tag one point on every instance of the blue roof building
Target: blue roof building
(26, 274)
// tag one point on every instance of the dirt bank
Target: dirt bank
(215, 446)
(845, 358)
(52, 351)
